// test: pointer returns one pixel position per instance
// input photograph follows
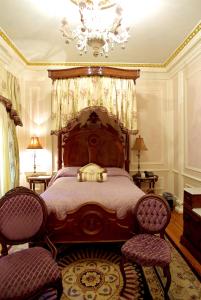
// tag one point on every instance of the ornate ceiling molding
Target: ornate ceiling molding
(13, 47)
(129, 65)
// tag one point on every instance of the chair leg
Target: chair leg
(167, 274)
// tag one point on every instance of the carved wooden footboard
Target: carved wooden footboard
(90, 223)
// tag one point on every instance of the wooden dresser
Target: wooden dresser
(191, 237)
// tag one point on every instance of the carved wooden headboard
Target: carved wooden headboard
(94, 141)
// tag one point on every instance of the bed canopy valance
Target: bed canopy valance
(94, 71)
(78, 88)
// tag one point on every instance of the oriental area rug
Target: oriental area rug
(92, 272)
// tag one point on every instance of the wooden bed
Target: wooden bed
(100, 140)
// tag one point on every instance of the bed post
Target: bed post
(59, 146)
(127, 150)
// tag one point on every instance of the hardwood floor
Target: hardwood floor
(174, 231)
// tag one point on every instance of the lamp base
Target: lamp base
(34, 174)
(138, 174)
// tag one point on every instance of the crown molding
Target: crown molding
(13, 47)
(178, 51)
(189, 38)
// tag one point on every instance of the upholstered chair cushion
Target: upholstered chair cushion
(25, 272)
(147, 250)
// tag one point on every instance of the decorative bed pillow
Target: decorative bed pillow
(92, 172)
(64, 172)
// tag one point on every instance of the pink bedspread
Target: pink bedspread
(66, 193)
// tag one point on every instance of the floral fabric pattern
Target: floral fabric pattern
(9, 153)
(70, 96)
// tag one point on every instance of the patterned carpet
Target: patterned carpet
(95, 271)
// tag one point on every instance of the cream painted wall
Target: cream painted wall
(192, 124)
(193, 121)
(169, 109)
(36, 116)
(186, 82)
(153, 116)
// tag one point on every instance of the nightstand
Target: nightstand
(141, 180)
(33, 180)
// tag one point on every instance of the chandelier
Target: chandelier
(97, 30)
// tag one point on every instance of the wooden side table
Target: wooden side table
(150, 180)
(33, 180)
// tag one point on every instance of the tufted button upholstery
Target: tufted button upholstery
(152, 214)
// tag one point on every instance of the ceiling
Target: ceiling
(33, 32)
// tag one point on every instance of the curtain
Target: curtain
(13, 154)
(13, 90)
(70, 96)
(9, 152)
(5, 177)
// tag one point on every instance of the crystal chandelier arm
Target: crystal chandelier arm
(116, 25)
(118, 19)
(82, 17)
(66, 32)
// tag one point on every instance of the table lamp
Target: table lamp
(139, 146)
(34, 144)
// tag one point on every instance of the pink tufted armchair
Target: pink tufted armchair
(147, 249)
(30, 273)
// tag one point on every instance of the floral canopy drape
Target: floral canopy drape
(70, 96)
(9, 117)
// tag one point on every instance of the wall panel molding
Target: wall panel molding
(152, 111)
(192, 112)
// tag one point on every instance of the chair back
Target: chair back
(152, 214)
(23, 216)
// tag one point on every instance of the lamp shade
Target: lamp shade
(139, 144)
(34, 143)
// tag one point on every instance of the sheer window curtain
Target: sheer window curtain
(70, 96)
